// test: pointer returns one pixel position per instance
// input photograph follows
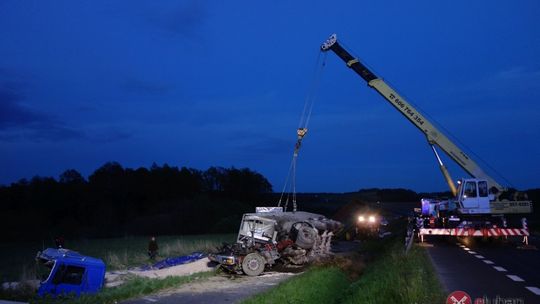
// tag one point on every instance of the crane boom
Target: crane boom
(433, 135)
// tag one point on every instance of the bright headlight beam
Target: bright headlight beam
(371, 219)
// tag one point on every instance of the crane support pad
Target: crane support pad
(491, 232)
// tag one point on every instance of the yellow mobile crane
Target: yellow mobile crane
(477, 199)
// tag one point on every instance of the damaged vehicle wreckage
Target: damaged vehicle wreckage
(272, 236)
(69, 272)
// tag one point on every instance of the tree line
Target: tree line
(117, 201)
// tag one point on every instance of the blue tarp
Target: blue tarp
(169, 262)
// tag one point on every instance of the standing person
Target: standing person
(152, 248)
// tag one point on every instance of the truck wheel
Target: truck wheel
(253, 264)
(305, 235)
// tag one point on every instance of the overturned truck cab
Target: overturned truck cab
(68, 272)
(271, 235)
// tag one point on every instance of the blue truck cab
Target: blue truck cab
(70, 273)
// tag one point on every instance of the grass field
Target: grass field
(17, 259)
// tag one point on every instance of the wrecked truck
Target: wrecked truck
(69, 272)
(270, 236)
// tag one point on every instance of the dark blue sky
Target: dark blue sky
(223, 83)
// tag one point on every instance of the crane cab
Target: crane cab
(473, 196)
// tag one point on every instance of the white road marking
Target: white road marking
(488, 262)
(499, 268)
(534, 290)
(150, 299)
(472, 252)
(466, 249)
(480, 256)
(515, 278)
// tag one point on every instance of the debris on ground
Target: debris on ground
(169, 262)
(116, 278)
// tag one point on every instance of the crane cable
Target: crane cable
(301, 131)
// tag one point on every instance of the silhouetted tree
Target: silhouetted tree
(214, 178)
(71, 176)
(117, 201)
(107, 177)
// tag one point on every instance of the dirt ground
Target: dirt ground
(218, 289)
(116, 278)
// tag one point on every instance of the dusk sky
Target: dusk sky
(223, 83)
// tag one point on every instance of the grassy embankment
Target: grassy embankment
(397, 277)
(389, 276)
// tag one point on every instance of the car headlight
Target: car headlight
(371, 219)
(361, 218)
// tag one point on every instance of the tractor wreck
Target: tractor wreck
(272, 236)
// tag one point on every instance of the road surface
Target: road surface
(484, 269)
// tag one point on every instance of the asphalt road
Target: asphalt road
(488, 269)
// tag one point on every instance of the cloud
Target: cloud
(518, 73)
(109, 135)
(13, 114)
(18, 121)
(184, 20)
(40, 132)
(514, 79)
